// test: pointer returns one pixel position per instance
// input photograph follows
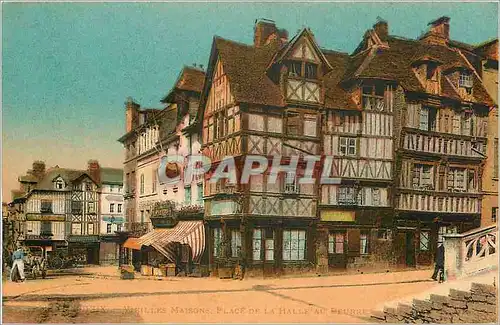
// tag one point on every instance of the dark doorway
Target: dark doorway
(410, 249)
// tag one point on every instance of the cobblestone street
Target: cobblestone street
(99, 295)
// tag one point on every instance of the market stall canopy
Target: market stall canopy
(132, 243)
(185, 232)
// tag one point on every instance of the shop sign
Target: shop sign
(38, 217)
(335, 215)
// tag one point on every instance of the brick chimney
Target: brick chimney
(94, 170)
(439, 32)
(263, 29)
(131, 115)
(38, 169)
(382, 29)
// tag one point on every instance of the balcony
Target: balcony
(452, 203)
(443, 144)
(137, 229)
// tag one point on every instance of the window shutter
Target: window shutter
(353, 242)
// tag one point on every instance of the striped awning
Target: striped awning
(185, 232)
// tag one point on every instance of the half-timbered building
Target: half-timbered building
(61, 211)
(440, 133)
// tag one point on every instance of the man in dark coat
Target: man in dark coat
(439, 264)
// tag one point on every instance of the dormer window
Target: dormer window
(295, 69)
(59, 184)
(311, 71)
(465, 80)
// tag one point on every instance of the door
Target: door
(410, 249)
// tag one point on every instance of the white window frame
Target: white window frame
(363, 244)
(290, 184)
(424, 118)
(346, 195)
(347, 146)
(465, 79)
(336, 242)
(294, 245)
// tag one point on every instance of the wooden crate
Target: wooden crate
(170, 269)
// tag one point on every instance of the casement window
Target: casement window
(373, 97)
(76, 207)
(311, 70)
(294, 245)
(376, 196)
(111, 207)
(456, 179)
(108, 228)
(187, 195)
(119, 208)
(91, 207)
(76, 228)
(217, 235)
(424, 240)
(456, 124)
(142, 184)
(465, 79)
(346, 195)
(200, 193)
(347, 146)
(293, 123)
(46, 228)
(46, 206)
(363, 243)
(427, 119)
(154, 180)
(494, 214)
(290, 184)
(336, 243)
(310, 125)
(263, 244)
(294, 69)
(471, 180)
(466, 124)
(422, 176)
(235, 242)
(88, 186)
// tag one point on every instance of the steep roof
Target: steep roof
(111, 175)
(246, 67)
(189, 79)
(395, 63)
(68, 175)
(335, 96)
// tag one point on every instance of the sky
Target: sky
(69, 67)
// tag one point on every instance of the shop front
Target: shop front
(84, 249)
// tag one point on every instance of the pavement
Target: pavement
(98, 295)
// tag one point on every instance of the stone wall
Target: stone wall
(479, 305)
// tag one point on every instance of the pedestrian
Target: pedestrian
(439, 268)
(241, 263)
(18, 263)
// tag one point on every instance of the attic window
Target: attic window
(311, 71)
(465, 79)
(59, 184)
(295, 69)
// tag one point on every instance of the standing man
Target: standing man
(241, 263)
(18, 263)
(439, 268)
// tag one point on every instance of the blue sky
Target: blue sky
(68, 67)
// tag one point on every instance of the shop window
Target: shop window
(363, 243)
(336, 243)
(217, 234)
(108, 228)
(257, 244)
(294, 245)
(424, 240)
(263, 241)
(235, 242)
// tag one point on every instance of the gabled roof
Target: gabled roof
(395, 63)
(68, 175)
(111, 175)
(246, 67)
(335, 96)
(306, 33)
(189, 79)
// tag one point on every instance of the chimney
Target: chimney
(382, 29)
(38, 169)
(263, 29)
(94, 170)
(131, 115)
(283, 35)
(439, 32)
